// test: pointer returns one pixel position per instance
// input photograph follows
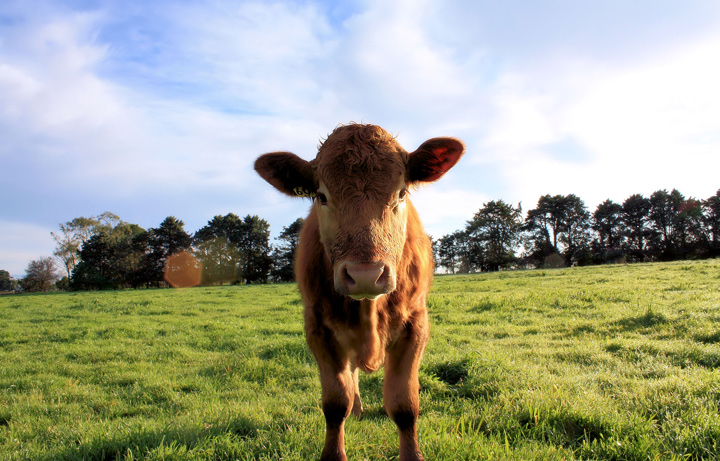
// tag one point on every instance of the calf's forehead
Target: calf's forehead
(361, 159)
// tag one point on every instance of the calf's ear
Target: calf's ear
(433, 159)
(288, 173)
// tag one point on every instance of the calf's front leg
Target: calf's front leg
(401, 388)
(338, 394)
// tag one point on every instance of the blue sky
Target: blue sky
(151, 109)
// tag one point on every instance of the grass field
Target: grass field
(614, 362)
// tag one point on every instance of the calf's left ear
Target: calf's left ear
(433, 159)
(288, 173)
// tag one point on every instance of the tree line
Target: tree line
(104, 252)
(561, 231)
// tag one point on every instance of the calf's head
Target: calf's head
(359, 182)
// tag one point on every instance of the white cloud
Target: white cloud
(47, 76)
(257, 57)
(656, 124)
(522, 122)
(64, 115)
(390, 69)
(115, 140)
(660, 104)
(633, 128)
(159, 108)
(22, 243)
(444, 210)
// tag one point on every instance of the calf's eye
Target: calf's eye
(402, 194)
(321, 198)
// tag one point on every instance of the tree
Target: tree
(542, 229)
(7, 283)
(128, 250)
(635, 215)
(493, 235)
(574, 227)
(93, 272)
(234, 250)
(217, 250)
(559, 225)
(451, 251)
(711, 224)
(69, 241)
(110, 259)
(40, 275)
(676, 224)
(544, 222)
(688, 236)
(254, 243)
(284, 254)
(607, 223)
(220, 260)
(76, 232)
(160, 243)
(660, 217)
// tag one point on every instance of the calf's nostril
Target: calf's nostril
(366, 276)
(348, 278)
(384, 277)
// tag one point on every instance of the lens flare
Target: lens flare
(182, 270)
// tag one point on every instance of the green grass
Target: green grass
(615, 362)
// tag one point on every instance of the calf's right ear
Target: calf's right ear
(288, 173)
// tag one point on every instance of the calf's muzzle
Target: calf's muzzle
(361, 280)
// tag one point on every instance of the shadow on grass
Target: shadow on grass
(451, 372)
(649, 319)
(459, 378)
(142, 442)
(374, 413)
(295, 350)
(709, 339)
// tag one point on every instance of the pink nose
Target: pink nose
(363, 280)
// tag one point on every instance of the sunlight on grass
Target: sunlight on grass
(613, 362)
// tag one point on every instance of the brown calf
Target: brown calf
(364, 266)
